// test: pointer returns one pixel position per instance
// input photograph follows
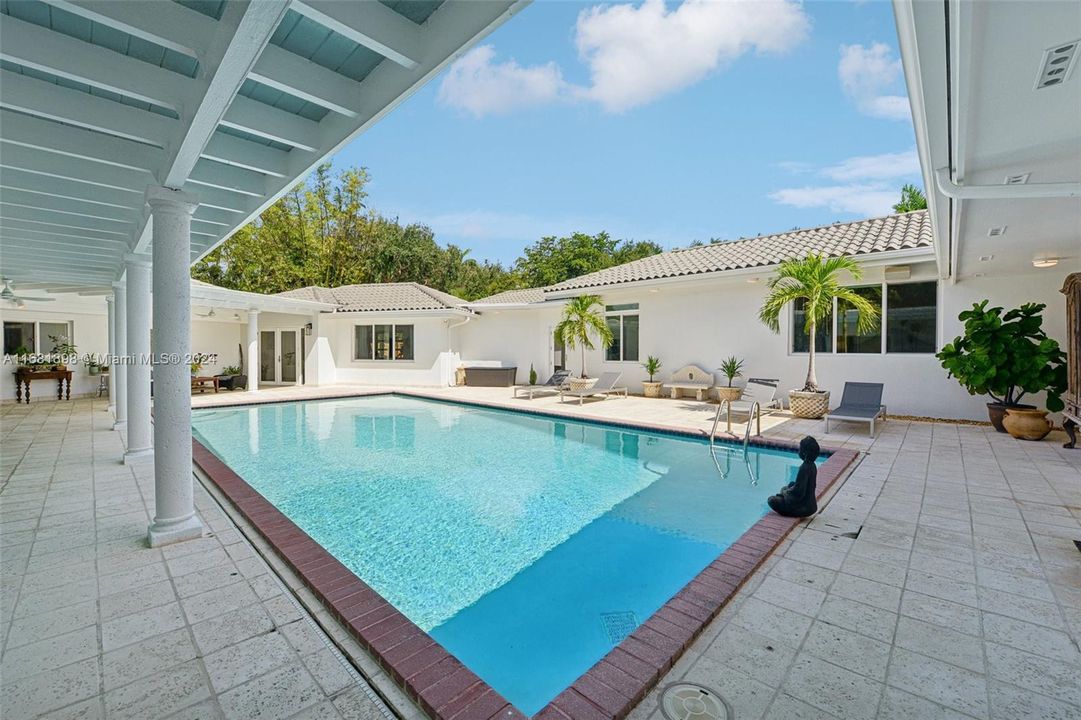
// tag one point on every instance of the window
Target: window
(18, 335)
(623, 322)
(36, 336)
(383, 342)
(823, 331)
(849, 339)
(911, 317)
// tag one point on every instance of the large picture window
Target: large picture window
(623, 322)
(907, 324)
(36, 336)
(383, 342)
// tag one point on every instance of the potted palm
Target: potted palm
(582, 320)
(652, 389)
(1006, 356)
(731, 368)
(816, 281)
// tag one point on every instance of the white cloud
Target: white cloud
(480, 86)
(867, 76)
(637, 54)
(634, 53)
(866, 200)
(875, 167)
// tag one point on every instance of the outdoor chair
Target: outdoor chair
(860, 402)
(758, 390)
(555, 383)
(605, 386)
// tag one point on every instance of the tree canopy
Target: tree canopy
(322, 232)
(912, 198)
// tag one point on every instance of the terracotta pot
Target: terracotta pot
(997, 412)
(729, 393)
(652, 389)
(1025, 424)
(809, 405)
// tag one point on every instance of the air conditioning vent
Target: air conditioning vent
(1016, 179)
(1058, 63)
(997, 231)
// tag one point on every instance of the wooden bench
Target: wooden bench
(691, 378)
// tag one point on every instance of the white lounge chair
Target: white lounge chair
(758, 390)
(691, 378)
(555, 383)
(605, 386)
(860, 402)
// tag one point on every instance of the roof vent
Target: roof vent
(1016, 179)
(997, 231)
(1057, 64)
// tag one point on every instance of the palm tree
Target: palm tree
(814, 280)
(912, 198)
(580, 321)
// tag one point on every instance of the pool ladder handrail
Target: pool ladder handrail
(756, 413)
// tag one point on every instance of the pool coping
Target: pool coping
(440, 683)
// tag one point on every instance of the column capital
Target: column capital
(138, 259)
(253, 311)
(118, 284)
(168, 200)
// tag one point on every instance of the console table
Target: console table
(23, 377)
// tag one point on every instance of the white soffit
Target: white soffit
(232, 101)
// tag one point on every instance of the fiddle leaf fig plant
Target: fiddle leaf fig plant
(1006, 355)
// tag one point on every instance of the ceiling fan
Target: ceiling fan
(20, 301)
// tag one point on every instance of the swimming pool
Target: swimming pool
(527, 546)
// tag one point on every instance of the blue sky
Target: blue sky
(667, 122)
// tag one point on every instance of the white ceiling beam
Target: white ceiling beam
(96, 293)
(116, 246)
(24, 227)
(371, 24)
(77, 143)
(34, 46)
(91, 174)
(267, 121)
(215, 216)
(219, 199)
(74, 107)
(75, 252)
(48, 258)
(238, 152)
(61, 272)
(65, 205)
(49, 285)
(64, 220)
(227, 177)
(292, 74)
(169, 25)
(20, 179)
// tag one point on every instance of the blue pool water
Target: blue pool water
(527, 546)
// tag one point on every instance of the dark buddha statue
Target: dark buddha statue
(797, 498)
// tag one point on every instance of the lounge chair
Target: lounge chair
(758, 390)
(605, 386)
(554, 385)
(693, 379)
(860, 402)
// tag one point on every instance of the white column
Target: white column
(138, 370)
(112, 353)
(253, 350)
(119, 372)
(174, 509)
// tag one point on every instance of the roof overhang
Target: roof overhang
(443, 313)
(101, 99)
(980, 120)
(206, 295)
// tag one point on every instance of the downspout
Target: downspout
(952, 190)
(451, 326)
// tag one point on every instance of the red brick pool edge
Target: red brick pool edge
(448, 690)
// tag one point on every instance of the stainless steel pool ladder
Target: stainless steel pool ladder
(756, 413)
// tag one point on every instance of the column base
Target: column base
(111, 409)
(159, 534)
(120, 425)
(131, 456)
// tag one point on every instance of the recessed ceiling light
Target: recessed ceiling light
(1045, 262)
(654, 290)
(986, 258)
(997, 231)
(1058, 62)
(753, 280)
(1016, 179)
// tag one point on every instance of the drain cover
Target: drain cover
(687, 701)
(618, 625)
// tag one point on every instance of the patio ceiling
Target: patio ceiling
(997, 150)
(232, 101)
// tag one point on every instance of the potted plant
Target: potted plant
(1007, 356)
(93, 365)
(62, 349)
(196, 366)
(814, 280)
(652, 389)
(232, 377)
(731, 368)
(580, 322)
(22, 356)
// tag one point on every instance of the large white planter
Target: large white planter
(809, 405)
(652, 389)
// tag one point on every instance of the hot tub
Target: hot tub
(490, 376)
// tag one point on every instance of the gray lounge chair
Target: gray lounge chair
(758, 390)
(555, 383)
(860, 402)
(605, 386)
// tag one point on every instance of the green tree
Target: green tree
(912, 198)
(816, 281)
(583, 318)
(551, 260)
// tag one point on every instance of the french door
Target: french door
(279, 357)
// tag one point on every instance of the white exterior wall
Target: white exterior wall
(431, 351)
(513, 337)
(217, 337)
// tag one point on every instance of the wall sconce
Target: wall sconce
(308, 329)
(1045, 262)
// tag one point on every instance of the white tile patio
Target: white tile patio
(960, 596)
